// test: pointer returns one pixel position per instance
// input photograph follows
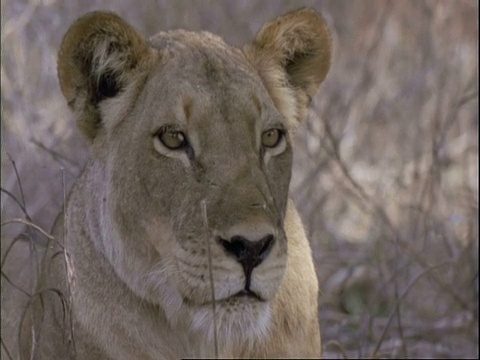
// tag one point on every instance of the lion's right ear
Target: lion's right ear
(99, 56)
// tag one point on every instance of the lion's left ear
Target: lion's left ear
(292, 55)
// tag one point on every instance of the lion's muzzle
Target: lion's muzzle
(248, 253)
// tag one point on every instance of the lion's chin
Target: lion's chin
(240, 319)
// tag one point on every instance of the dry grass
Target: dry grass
(386, 168)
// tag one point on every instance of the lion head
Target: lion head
(191, 157)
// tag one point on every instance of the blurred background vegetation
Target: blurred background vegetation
(386, 165)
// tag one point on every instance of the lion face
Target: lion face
(192, 160)
(207, 134)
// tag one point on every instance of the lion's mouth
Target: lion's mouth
(243, 295)
(248, 294)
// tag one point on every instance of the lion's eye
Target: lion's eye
(272, 138)
(172, 139)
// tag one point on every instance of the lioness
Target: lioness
(178, 239)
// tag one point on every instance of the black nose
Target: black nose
(248, 253)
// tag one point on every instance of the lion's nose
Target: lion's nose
(248, 253)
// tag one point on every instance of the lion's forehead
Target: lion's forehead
(189, 45)
(202, 60)
(208, 86)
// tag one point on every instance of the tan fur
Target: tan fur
(130, 276)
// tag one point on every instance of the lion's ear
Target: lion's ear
(98, 57)
(292, 55)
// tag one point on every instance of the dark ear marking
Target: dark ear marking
(107, 87)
